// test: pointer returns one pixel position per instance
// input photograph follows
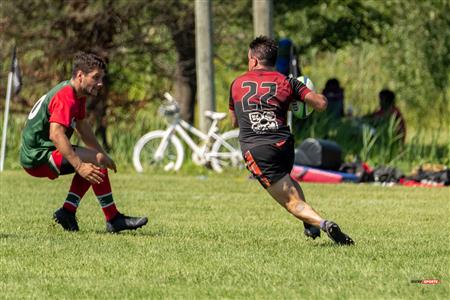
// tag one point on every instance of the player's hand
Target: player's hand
(106, 161)
(90, 172)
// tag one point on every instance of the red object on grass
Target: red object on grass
(307, 174)
(407, 182)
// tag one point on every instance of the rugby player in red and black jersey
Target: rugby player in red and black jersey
(46, 150)
(259, 102)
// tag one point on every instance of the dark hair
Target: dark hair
(387, 95)
(265, 49)
(87, 62)
(332, 83)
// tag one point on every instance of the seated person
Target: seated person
(335, 95)
(387, 110)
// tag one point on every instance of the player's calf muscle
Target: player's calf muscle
(296, 207)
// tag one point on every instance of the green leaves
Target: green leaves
(330, 25)
(368, 44)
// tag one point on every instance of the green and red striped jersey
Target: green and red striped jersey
(59, 105)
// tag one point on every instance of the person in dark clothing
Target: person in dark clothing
(259, 101)
(335, 95)
(385, 112)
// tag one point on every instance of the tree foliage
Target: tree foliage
(329, 25)
(137, 37)
(151, 43)
(418, 47)
(402, 45)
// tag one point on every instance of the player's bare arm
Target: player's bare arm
(318, 101)
(88, 137)
(86, 170)
(233, 118)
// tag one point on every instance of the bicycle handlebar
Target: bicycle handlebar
(170, 108)
(169, 97)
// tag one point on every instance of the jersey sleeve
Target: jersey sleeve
(60, 109)
(230, 99)
(299, 89)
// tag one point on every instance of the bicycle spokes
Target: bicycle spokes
(160, 153)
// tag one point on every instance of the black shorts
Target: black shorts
(271, 162)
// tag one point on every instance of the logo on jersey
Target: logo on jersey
(263, 121)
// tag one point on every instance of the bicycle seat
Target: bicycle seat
(215, 115)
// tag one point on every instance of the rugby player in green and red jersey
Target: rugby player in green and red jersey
(259, 102)
(46, 150)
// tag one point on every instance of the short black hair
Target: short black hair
(387, 95)
(265, 49)
(87, 62)
(332, 83)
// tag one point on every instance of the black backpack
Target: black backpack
(430, 176)
(387, 174)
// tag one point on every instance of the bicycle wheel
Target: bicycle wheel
(226, 152)
(145, 157)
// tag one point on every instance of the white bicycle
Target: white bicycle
(163, 149)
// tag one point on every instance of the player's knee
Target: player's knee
(100, 158)
(295, 206)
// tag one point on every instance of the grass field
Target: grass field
(219, 237)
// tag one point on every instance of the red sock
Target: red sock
(104, 196)
(77, 190)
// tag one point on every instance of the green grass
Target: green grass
(222, 237)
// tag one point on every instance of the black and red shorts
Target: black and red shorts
(271, 162)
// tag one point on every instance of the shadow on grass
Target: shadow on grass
(54, 227)
(331, 244)
(137, 233)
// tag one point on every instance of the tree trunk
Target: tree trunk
(183, 36)
(185, 89)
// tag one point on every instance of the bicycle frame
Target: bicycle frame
(217, 150)
(180, 126)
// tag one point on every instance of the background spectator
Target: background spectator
(335, 95)
(386, 111)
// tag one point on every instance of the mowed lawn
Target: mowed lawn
(222, 236)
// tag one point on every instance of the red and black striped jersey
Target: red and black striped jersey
(260, 99)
